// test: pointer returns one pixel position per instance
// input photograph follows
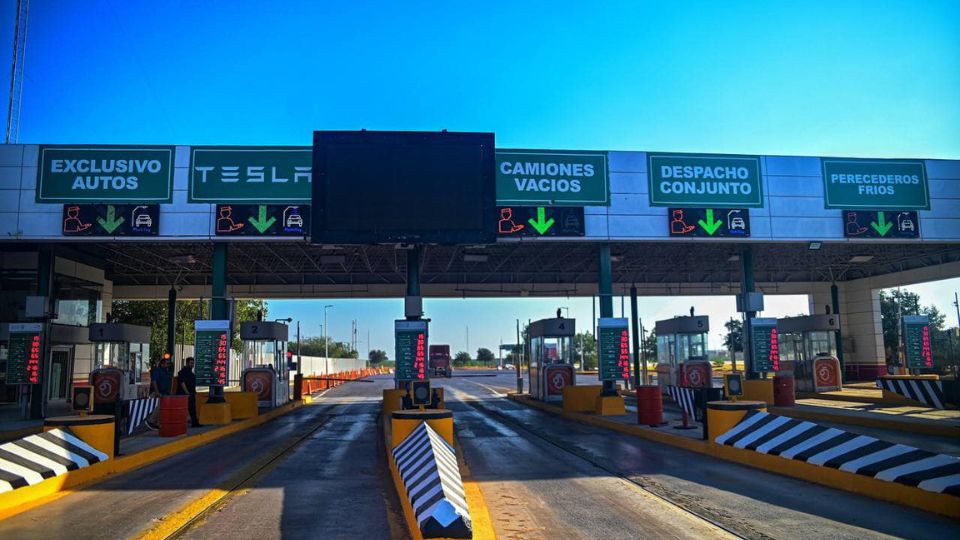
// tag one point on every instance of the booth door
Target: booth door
(61, 371)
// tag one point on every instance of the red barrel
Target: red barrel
(649, 405)
(173, 416)
(783, 390)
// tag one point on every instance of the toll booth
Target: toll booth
(264, 362)
(680, 341)
(550, 366)
(121, 362)
(808, 349)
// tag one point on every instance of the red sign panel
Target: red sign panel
(419, 360)
(220, 361)
(33, 360)
(696, 374)
(826, 372)
(106, 384)
(260, 383)
(774, 350)
(623, 361)
(557, 378)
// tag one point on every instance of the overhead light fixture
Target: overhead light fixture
(814, 246)
(733, 258)
(616, 257)
(332, 259)
(183, 259)
(861, 258)
(475, 257)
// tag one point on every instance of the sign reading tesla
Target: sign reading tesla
(245, 174)
(410, 345)
(875, 184)
(881, 224)
(613, 349)
(552, 177)
(704, 180)
(262, 220)
(916, 341)
(709, 222)
(539, 221)
(111, 220)
(70, 174)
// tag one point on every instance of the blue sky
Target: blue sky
(878, 79)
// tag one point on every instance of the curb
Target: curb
(922, 428)
(26, 498)
(913, 497)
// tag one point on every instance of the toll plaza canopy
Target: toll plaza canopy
(148, 215)
(130, 221)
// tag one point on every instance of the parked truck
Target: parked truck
(440, 361)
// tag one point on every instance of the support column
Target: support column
(413, 272)
(171, 323)
(635, 323)
(219, 307)
(605, 286)
(746, 285)
(861, 322)
(38, 392)
(835, 303)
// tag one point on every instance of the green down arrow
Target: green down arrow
(541, 225)
(112, 222)
(883, 227)
(710, 225)
(262, 223)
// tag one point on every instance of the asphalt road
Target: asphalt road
(544, 477)
(335, 484)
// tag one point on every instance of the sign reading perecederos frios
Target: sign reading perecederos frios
(105, 174)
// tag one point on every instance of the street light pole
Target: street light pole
(326, 332)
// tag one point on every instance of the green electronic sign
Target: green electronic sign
(23, 354)
(764, 344)
(885, 184)
(916, 341)
(410, 347)
(552, 177)
(530, 221)
(880, 224)
(105, 174)
(709, 222)
(211, 352)
(250, 174)
(709, 181)
(613, 349)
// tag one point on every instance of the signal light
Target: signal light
(289, 355)
(167, 356)
(82, 398)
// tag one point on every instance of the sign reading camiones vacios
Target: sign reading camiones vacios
(104, 173)
(713, 181)
(877, 184)
(552, 177)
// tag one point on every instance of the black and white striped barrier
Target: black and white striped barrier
(830, 447)
(684, 397)
(431, 477)
(35, 458)
(137, 412)
(925, 391)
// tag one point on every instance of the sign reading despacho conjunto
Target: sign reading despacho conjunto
(689, 180)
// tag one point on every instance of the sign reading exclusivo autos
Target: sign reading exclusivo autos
(710, 181)
(105, 174)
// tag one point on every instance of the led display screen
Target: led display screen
(375, 187)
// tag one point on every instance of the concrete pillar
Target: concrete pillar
(862, 329)
(219, 307)
(605, 285)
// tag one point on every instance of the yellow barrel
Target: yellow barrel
(723, 415)
(97, 430)
(404, 422)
